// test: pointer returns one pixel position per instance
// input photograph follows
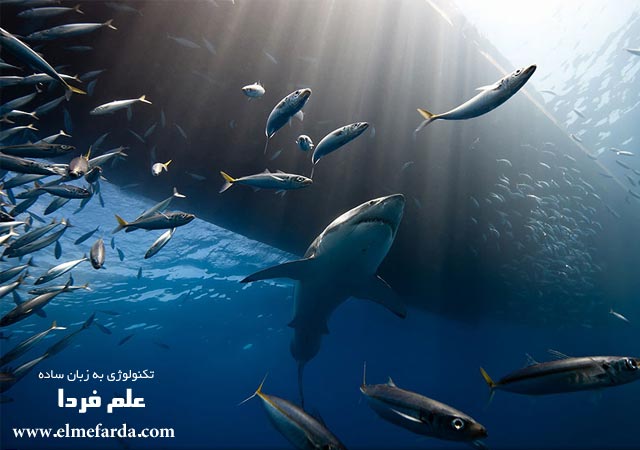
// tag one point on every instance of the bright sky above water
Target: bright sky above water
(549, 32)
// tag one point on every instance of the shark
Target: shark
(340, 263)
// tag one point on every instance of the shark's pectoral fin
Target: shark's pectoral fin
(295, 270)
(377, 290)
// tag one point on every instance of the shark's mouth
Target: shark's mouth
(388, 223)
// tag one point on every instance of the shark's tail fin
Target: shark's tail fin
(428, 118)
(300, 385)
(257, 392)
(492, 385)
(228, 181)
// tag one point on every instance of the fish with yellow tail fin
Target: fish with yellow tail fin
(26, 55)
(489, 98)
(157, 168)
(267, 180)
(159, 221)
(301, 429)
(568, 375)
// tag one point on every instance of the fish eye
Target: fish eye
(630, 364)
(457, 423)
(299, 179)
(518, 72)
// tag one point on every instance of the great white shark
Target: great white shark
(341, 262)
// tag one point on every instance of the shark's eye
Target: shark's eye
(630, 364)
(457, 423)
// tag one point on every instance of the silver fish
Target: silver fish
(301, 429)
(59, 270)
(68, 30)
(487, 100)
(116, 105)
(568, 375)
(422, 415)
(25, 54)
(284, 111)
(268, 180)
(337, 138)
(159, 243)
(97, 254)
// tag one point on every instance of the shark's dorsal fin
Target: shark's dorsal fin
(295, 270)
(391, 383)
(558, 355)
(377, 290)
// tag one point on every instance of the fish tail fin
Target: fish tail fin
(121, 224)
(30, 263)
(492, 385)
(166, 165)
(72, 90)
(54, 326)
(300, 386)
(487, 378)
(108, 24)
(228, 181)
(257, 392)
(266, 145)
(33, 114)
(88, 155)
(178, 194)
(32, 127)
(77, 9)
(143, 99)
(428, 118)
(313, 169)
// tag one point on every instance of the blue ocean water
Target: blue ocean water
(489, 276)
(210, 340)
